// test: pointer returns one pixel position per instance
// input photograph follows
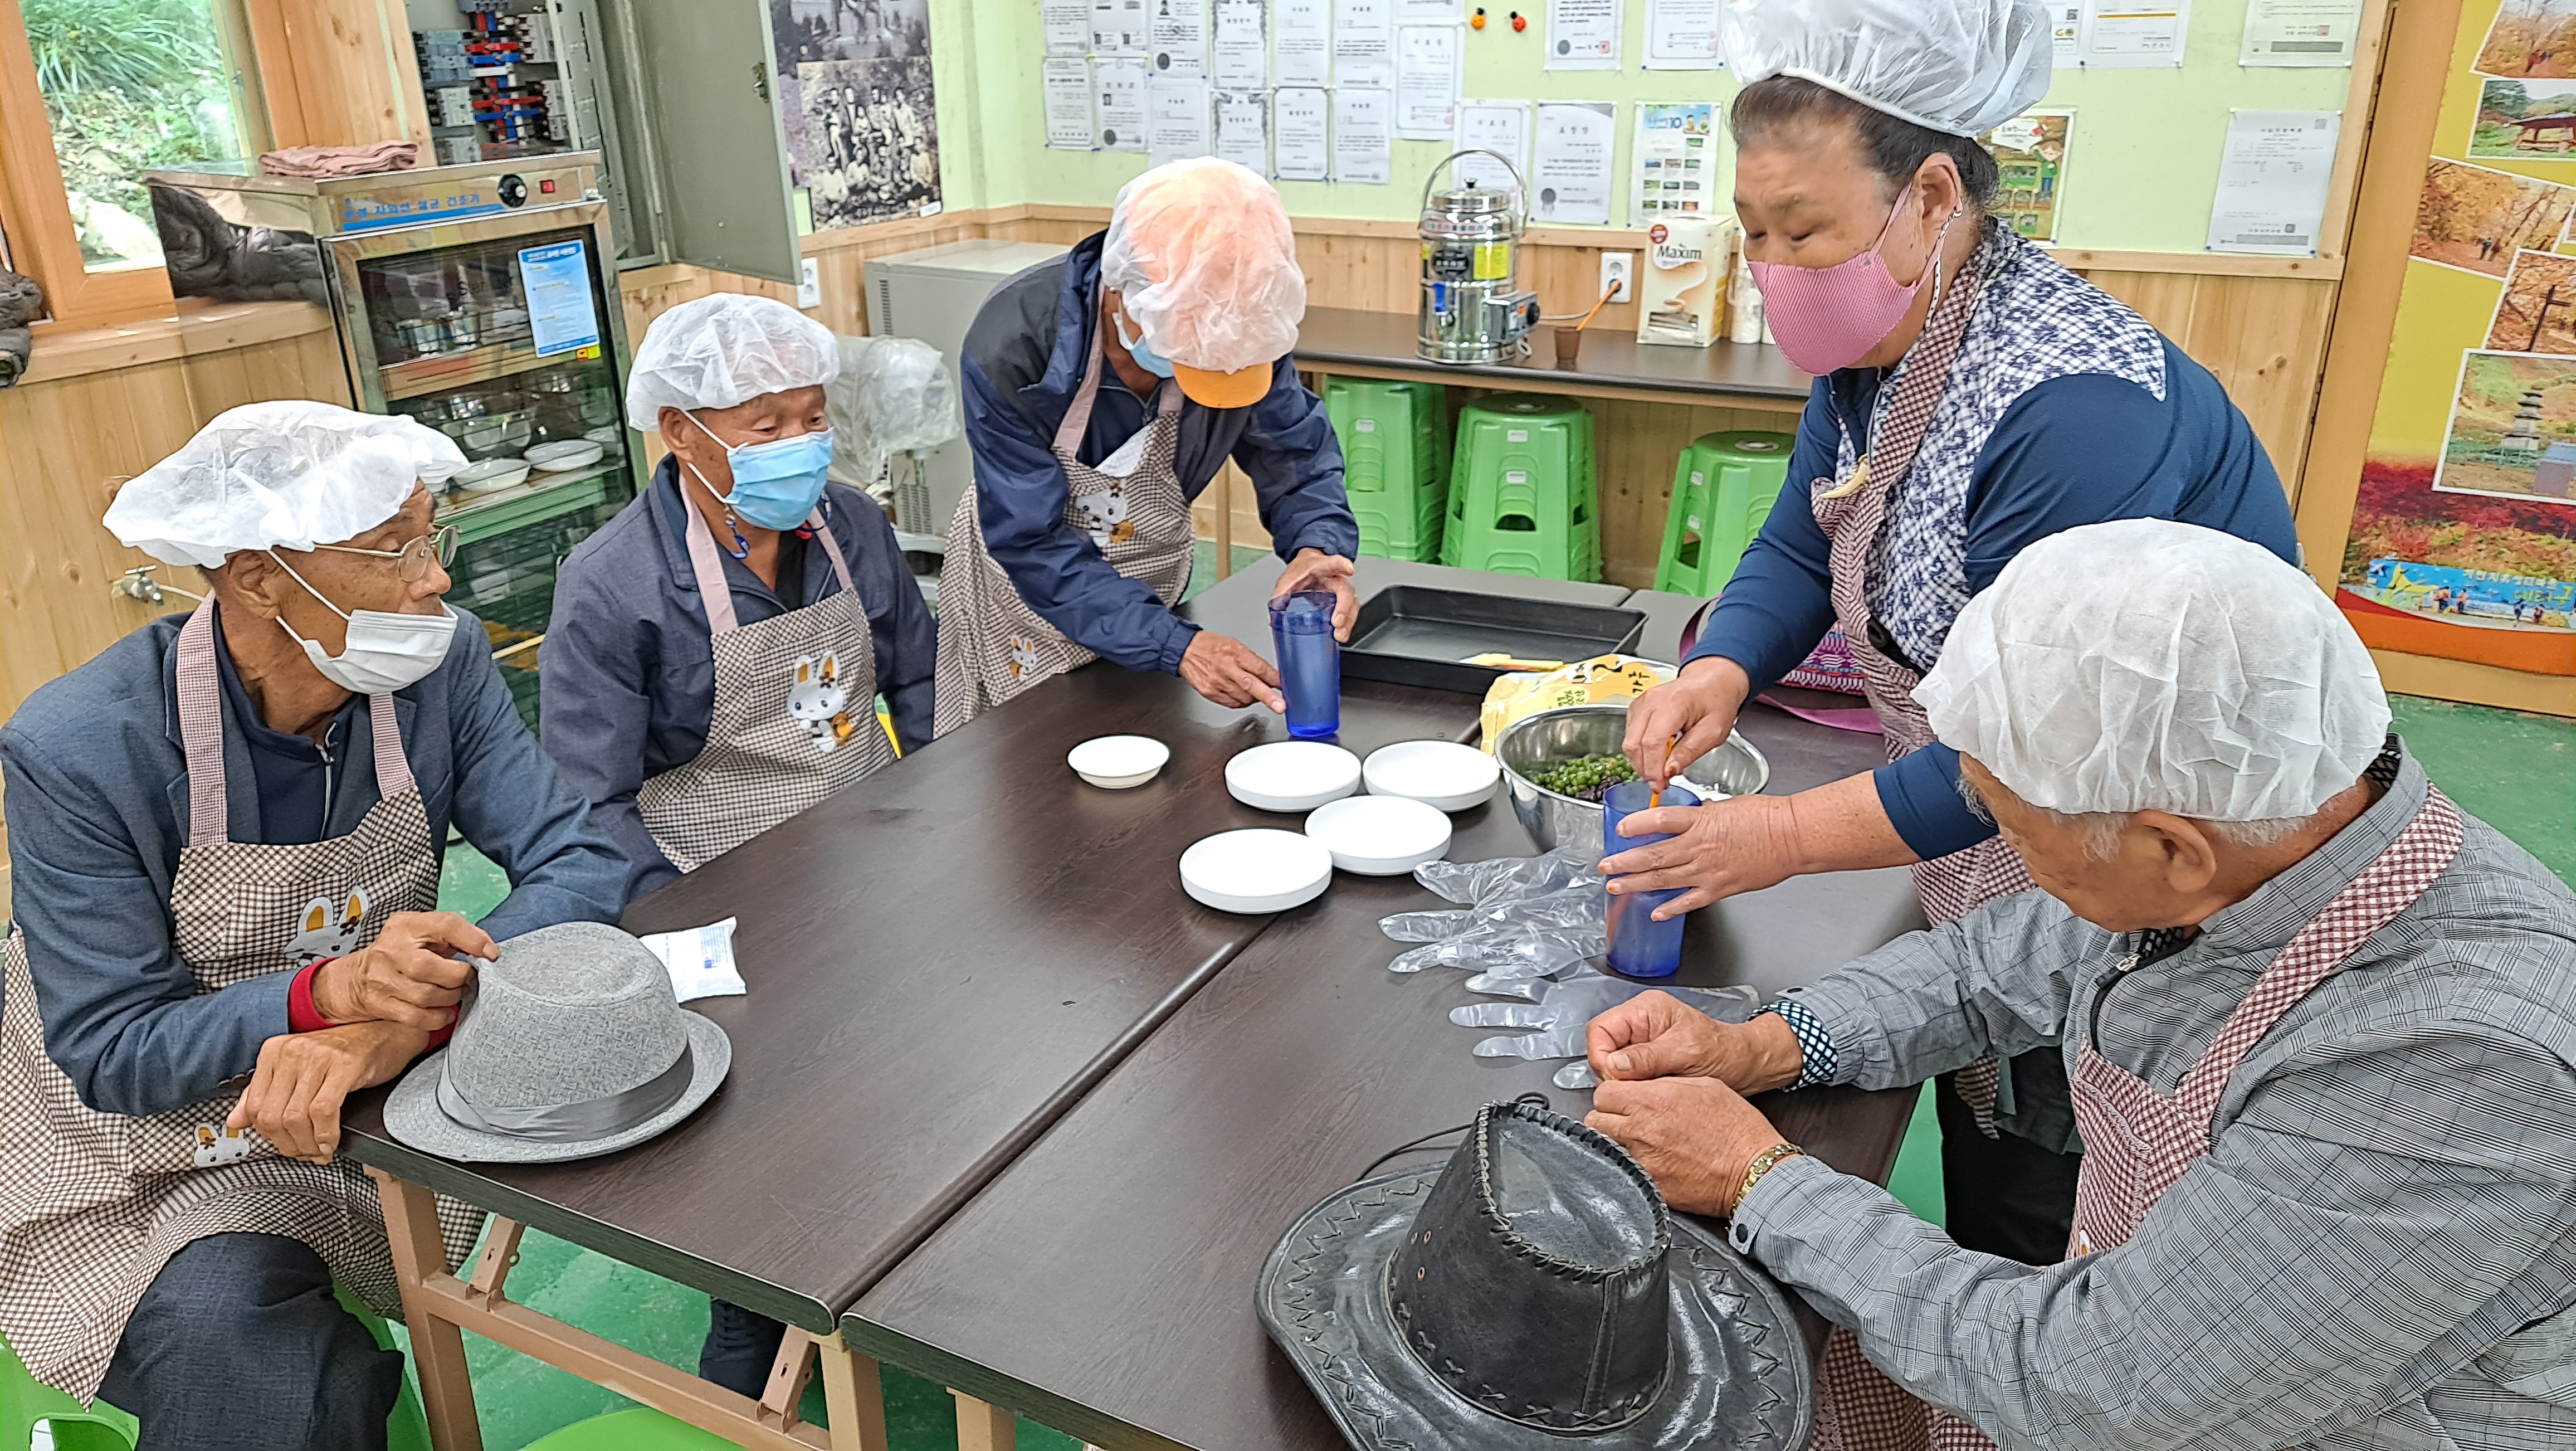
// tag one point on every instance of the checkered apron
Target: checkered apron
(992, 646)
(96, 1203)
(794, 717)
(1859, 1408)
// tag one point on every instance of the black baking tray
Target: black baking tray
(1411, 634)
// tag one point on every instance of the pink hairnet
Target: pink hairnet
(1201, 253)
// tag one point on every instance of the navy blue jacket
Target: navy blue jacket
(2074, 450)
(1024, 360)
(98, 809)
(628, 668)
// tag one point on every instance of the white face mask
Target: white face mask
(385, 651)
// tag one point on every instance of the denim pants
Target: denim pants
(239, 1346)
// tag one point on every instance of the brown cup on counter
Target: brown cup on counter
(1569, 343)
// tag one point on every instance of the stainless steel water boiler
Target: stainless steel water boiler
(1471, 310)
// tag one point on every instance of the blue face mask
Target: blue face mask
(1146, 358)
(778, 483)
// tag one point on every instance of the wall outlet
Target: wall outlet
(809, 282)
(1619, 270)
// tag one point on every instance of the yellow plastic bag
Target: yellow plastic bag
(1585, 682)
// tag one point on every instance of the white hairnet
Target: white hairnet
(288, 474)
(1201, 253)
(893, 396)
(1957, 66)
(2146, 665)
(723, 349)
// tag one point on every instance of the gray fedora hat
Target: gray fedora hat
(571, 1044)
(1533, 1294)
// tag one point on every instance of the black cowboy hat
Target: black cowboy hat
(1534, 1292)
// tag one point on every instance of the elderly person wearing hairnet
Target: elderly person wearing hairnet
(1103, 391)
(1972, 396)
(717, 649)
(2319, 1023)
(225, 839)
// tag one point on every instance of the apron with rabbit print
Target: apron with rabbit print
(119, 1195)
(794, 718)
(992, 646)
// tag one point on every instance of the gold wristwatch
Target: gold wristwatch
(1764, 1163)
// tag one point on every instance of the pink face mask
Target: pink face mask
(1828, 318)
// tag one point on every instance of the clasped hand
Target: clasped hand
(1672, 1091)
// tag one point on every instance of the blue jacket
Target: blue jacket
(1024, 360)
(627, 673)
(2074, 450)
(98, 809)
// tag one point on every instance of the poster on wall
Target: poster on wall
(1571, 174)
(856, 105)
(1675, 162)
(2273, 180)
(2031, 155)
(2463, 540)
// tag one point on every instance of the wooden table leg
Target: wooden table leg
(982, 1427)
(437, 1346)
(852, 1396)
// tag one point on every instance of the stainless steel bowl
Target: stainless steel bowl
(1553, 737)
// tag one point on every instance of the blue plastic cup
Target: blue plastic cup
(1310, 662)
(1640, 946)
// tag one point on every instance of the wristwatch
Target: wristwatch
(1764, 1163)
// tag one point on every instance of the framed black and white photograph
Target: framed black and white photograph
(871, 140)
(822, 30)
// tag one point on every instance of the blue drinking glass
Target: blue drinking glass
(1640, 946)
(1310, 662)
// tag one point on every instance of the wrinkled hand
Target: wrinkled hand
(409, 975)
(1314, 569)
(1655, 1035)
(1742, 844)
(1695, 1136)
(295, 1094)
(1699, 707)
(1230, 673)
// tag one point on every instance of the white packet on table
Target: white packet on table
(700, 960)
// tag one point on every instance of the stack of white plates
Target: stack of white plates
(1292, 775)
(566, 454)
(1118, 762)
(1379, 836)
(1444, 774)
(489, 475)
(1256, 871)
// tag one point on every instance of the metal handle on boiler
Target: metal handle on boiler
(1520, 187)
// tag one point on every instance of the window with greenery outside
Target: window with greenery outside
(129, 86)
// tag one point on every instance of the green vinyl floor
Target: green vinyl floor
(2516, 771)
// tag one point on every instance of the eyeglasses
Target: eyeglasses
(438, 543)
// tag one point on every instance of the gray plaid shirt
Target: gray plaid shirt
(2380, 1248)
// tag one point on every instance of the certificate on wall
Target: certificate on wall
(1239, 55)
(1243, 128)
(2066, 33)
(1681, 35)
(1363, 135)
(2119, 34)
(554, 280)
(1067, 24)
(1364, 43)
(1066, 84)
(1121, 116)
(1571, 175)
(1674, 161)
(1176, 119)
(2300, 32)
(1301, 45)
(2272, 182)
(1178, 37)
(1426, 80)
(1583, 35)
(1430, 12)
(1497, 126)
(1299, 131)
(1118, 27)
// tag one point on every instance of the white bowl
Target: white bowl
(1292, 775)
(1118, 762)
(1380, 836)
(489, 475)
(566, 454)
(1436, 773)
(606, 433)
(1261, 870)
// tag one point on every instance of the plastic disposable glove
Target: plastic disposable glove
(1583, 904)
(1509, 954)
(1508, 878)
(1567, 1006)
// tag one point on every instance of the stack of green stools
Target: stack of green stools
(1723, 489)
(1395, 462)
(1523, 496)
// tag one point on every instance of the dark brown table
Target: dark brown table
(1354, 343)
(1103, 1283)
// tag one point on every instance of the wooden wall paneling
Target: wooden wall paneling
(339, 72)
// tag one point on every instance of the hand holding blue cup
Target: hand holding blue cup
(1310, 661)
(1640, 946)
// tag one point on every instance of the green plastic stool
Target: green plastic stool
(637, 1428)
(1523, 494)
(1723, 489)
(1395, 462)
(24, 1401)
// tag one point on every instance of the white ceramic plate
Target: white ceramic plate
(1292, 775)
(1436, 773)
(1379, 836)
(1261, 870)
(606, 433)
(490, 474)
(1118, 762)
(566, 454)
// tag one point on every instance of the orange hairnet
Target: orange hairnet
(1201, 253)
